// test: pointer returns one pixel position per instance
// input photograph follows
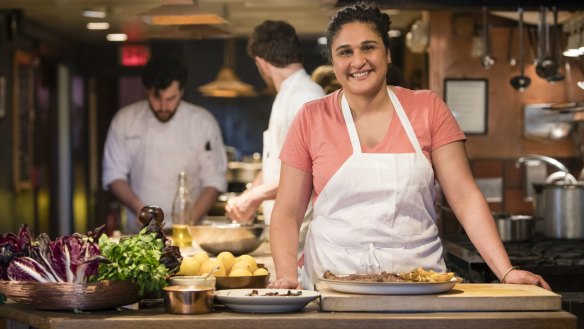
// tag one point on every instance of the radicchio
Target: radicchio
(70, 258)
(12, 245)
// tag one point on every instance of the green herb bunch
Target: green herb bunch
(136, 258)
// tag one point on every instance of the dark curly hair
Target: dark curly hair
(365, 12)
(276, 42)
(162, 70)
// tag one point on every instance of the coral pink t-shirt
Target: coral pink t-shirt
(318, 141)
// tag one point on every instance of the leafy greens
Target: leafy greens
(136, 258)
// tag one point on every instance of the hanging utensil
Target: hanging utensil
(487, 61)
(520, 82)
(546, 66)
(556, 49)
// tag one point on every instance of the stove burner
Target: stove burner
(540, 252)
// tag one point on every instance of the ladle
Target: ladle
(487, 61)
(557, 76)
(510, 58)
(520, 82)
(547, 66)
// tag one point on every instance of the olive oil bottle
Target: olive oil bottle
(181, 214)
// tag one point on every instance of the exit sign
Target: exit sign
(134, 55)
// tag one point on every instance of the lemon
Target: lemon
(201, 257)
(227, 259)
(207, 266)
(240, 272)
(242, 266)
(189, 266)
(247, 259)
(260, 271)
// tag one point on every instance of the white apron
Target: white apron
(376, 213)
(155, 172)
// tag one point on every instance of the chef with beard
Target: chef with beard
(151, 141)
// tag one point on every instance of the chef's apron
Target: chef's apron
(270, 167)
(160, 158)
(271, 173)
(376, 213)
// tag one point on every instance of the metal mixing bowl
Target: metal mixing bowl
(217, 234)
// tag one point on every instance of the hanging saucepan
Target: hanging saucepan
(520, 82)
(546, 66)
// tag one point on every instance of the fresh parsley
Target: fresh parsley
(135, 258)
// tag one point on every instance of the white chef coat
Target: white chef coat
(376, 213)
(150, 154)
(296, 90)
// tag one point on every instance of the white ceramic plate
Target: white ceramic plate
(391, 288)
(239, 301)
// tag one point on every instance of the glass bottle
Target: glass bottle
(181, 214)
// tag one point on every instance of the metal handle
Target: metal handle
(546, 159)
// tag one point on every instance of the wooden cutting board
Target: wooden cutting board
(463, 297)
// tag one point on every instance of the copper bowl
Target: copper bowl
(63, 296)
(188, 300)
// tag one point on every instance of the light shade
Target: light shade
(227, 84)
(179, 12)
(189, 32)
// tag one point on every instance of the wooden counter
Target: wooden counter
(311, 317)
(155, 318)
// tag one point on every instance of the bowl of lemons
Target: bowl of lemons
(230, 272)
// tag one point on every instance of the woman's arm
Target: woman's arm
(471, 209)
(291, 203)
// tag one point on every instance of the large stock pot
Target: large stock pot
(561, 204)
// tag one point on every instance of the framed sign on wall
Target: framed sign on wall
(468, 101)
(23, 116)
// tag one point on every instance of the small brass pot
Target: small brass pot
(188, 300)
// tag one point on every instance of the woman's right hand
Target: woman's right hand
(285, 283)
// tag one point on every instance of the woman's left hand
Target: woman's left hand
(526, 277)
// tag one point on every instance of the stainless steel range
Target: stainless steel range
(560, 262)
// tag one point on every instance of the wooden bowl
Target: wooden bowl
(242, 282)
(72, 296)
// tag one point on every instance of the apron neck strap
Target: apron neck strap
(401, 114)
(350, 125)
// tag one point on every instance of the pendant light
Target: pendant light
(227, 84)
(180, 12)
(189, 32)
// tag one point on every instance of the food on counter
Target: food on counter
(214, 267)
(229, 265)
(189, 266)
(201, 257)
(70, 258)
(240, 272)
(147, 259)
(381, 277)
(275, 293)
(421, 275)
(260, 271)
(248, 259)
(417, 275)
(227, 259)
